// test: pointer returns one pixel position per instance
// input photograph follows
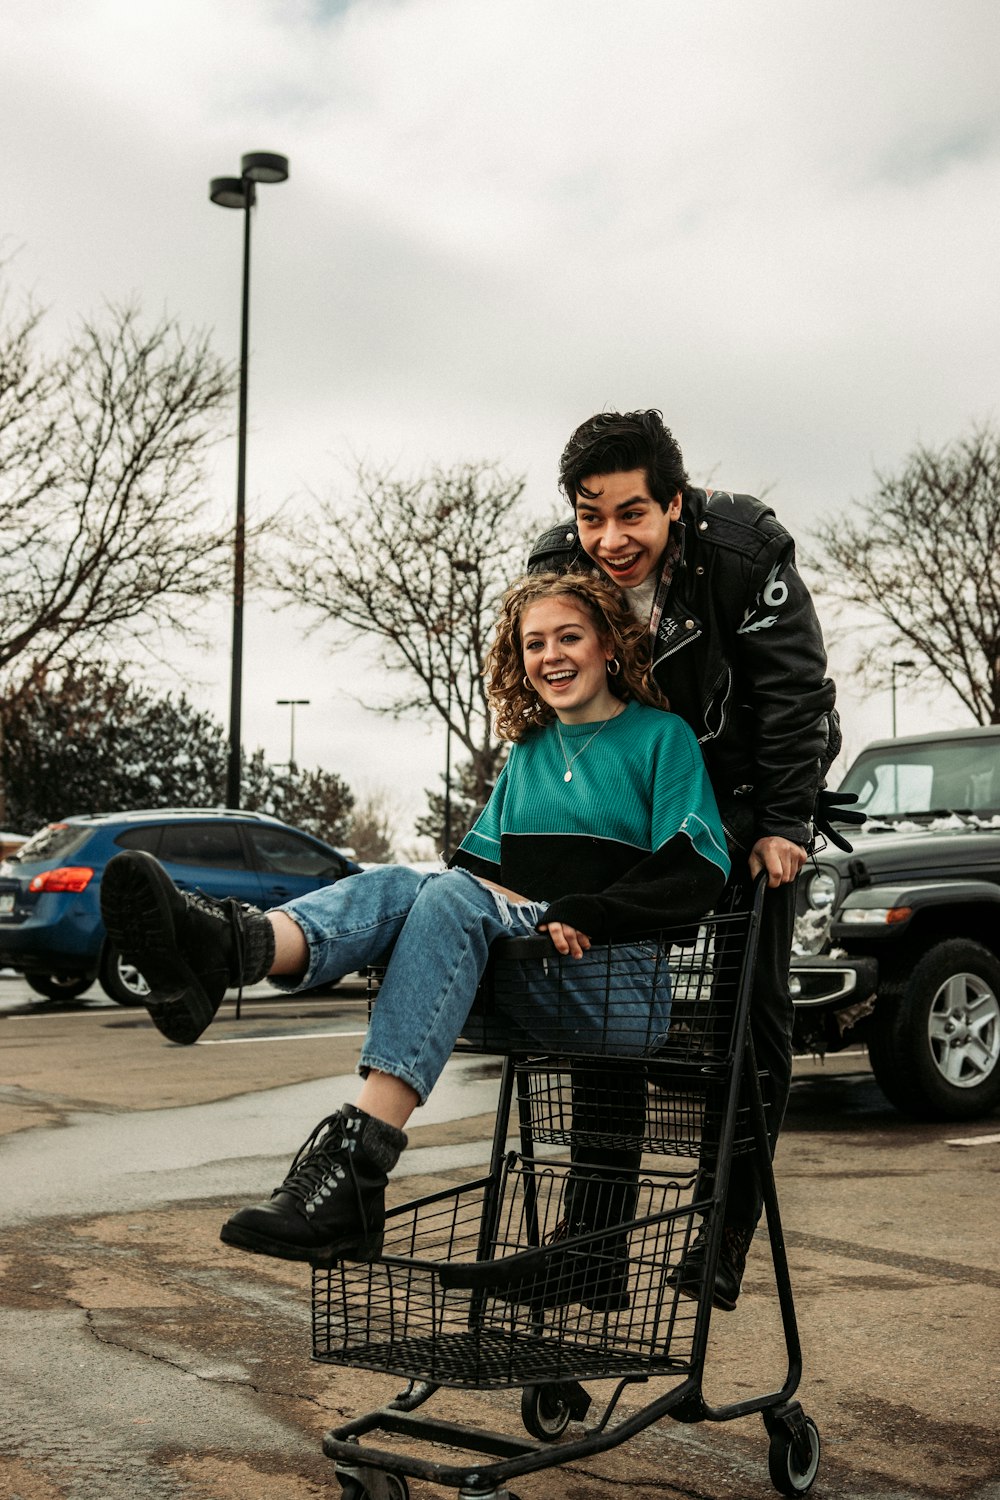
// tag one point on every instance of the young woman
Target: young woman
(602, 825)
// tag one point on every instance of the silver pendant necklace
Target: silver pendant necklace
(569, 759)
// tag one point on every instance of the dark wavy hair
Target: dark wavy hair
(613, 442)
(517, 708)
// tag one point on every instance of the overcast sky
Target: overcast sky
(776, 221)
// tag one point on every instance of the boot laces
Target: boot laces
(234, 913)
(321, 1162)
(563, 1230)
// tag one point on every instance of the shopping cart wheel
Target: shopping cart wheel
(384, 1487)
(791, 1471)
(545, 1411)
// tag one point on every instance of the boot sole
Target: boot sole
(320, 1256)
(137, 898)
(693, 1290)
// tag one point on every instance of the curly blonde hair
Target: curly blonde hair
(518, 708)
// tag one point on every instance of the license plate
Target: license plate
(6, 903)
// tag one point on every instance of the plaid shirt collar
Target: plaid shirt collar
(672, 554)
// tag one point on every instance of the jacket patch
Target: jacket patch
(774, 594)
(673, 634)
(750, 625)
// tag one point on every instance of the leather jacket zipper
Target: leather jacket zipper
(683, 640)
(713, 734)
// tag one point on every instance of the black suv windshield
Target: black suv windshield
(932, 780)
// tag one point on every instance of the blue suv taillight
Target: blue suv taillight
(64, 878)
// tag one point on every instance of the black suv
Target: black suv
(898, 943)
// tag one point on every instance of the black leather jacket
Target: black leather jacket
(739, 653)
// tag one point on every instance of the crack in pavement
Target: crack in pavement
(926, 1265)
(174, 1364)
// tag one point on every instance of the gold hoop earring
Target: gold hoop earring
(614, 662)
(527, 684)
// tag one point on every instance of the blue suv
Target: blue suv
(50, 919)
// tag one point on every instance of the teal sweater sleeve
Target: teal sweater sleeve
(480, 849)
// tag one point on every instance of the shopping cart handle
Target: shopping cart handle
(523, 947)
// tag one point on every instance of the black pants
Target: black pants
(771, 1017)
(602, 1185)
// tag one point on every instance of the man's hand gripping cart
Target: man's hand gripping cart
(571, 1260)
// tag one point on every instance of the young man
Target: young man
(738, 651)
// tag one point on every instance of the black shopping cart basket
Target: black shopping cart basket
(569, 1260)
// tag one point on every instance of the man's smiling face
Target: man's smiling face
(621, 526)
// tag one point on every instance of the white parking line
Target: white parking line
(291, 1036)
(63, 1015)
(976, 1140)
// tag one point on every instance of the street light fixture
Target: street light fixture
(906, 665)
(241, 192)
(292, 703)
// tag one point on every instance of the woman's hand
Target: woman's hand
(567, 940)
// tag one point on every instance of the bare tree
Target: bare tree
(373, 829)
(923, 564)
(418, 564)
(102, 483)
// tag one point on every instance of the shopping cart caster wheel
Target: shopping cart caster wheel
(545, 1412)
(352, 1489)
(384, 1486)
(792, 1473)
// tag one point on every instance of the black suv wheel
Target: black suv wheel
(935, 1040)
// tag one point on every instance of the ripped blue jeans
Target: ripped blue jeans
(434, 933)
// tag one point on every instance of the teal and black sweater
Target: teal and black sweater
(631, 844)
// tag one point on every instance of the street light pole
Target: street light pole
(905, 664)
(241, 192)
(456, 565)
(292, 703)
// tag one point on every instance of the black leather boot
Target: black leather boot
(188, 947)
(331, 1206)
(594, 1273)
(689, 1276)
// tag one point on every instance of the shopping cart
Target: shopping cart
(497, 1284)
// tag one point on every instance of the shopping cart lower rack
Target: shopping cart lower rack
(568, 1261)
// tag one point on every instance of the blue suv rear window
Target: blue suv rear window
(57, 842)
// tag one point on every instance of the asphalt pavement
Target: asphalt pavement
(143, 1358)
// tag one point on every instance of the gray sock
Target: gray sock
(381, 1142)
(258, 945)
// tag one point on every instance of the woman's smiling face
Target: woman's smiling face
(566, 661)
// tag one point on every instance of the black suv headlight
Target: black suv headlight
(821, 890)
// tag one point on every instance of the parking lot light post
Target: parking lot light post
(293, 704)
(906, 666)
(241, 192)
(457, 565)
